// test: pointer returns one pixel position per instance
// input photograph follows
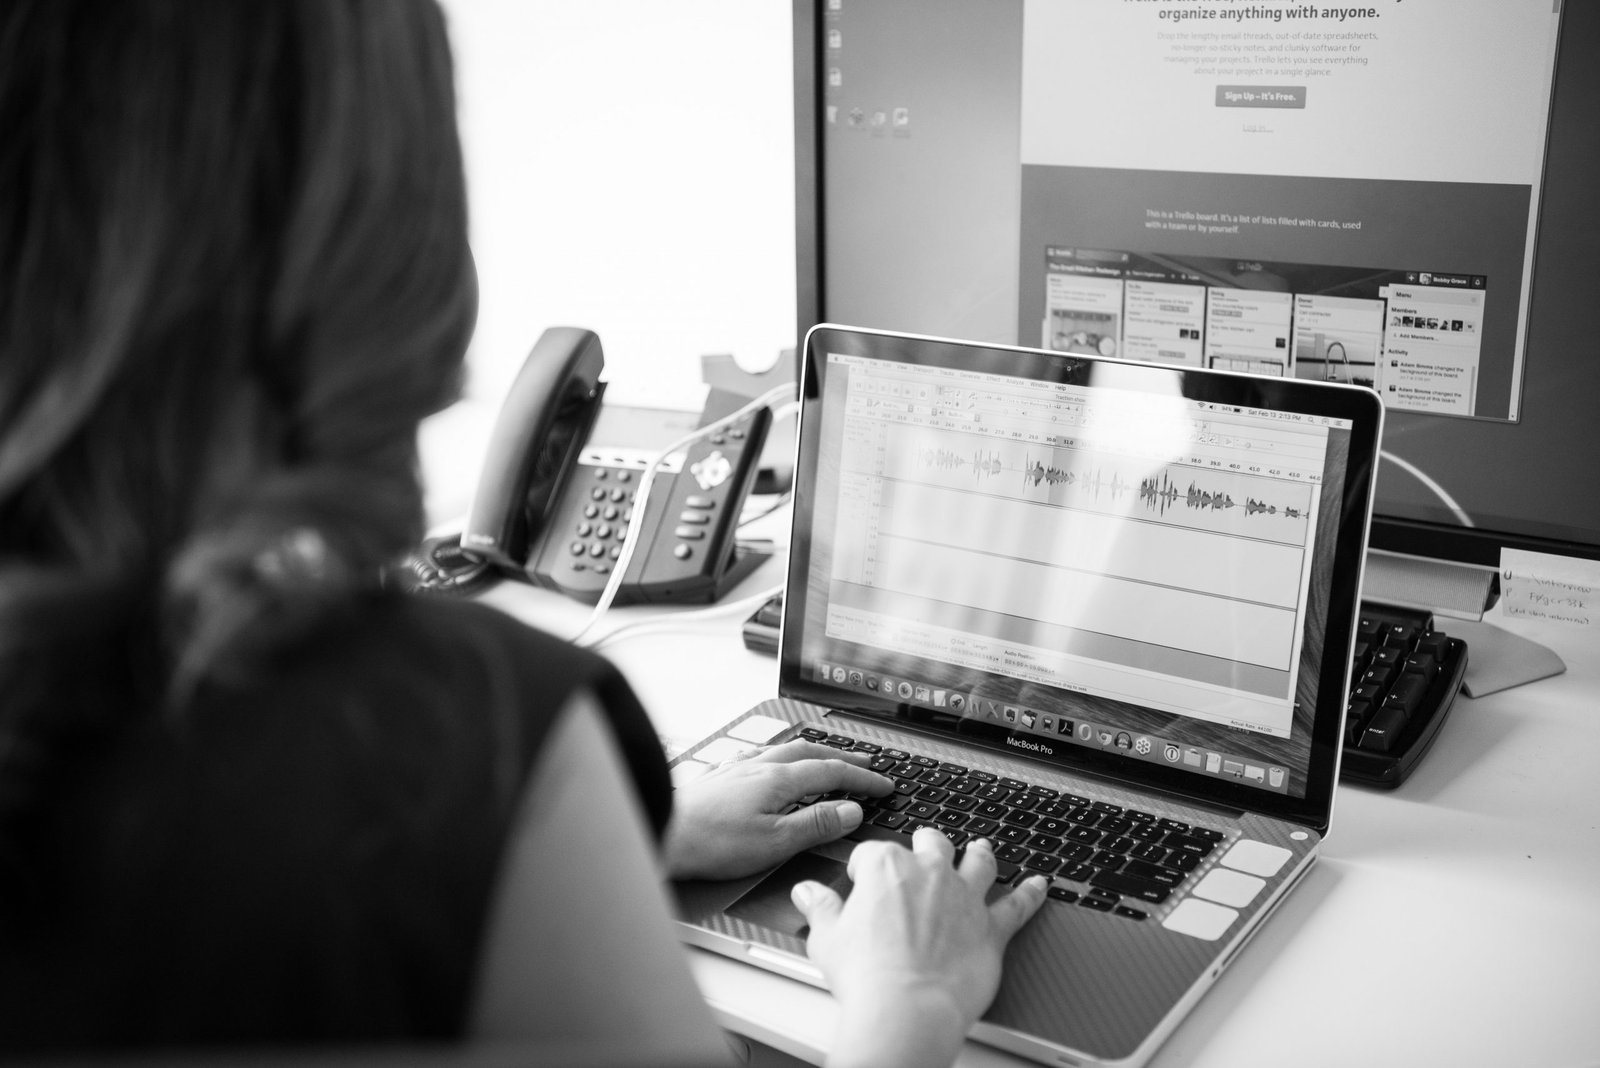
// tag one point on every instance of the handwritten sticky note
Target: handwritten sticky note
(1555, 589)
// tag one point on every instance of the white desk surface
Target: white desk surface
(1455, 920)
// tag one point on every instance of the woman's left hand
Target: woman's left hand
(733, 820)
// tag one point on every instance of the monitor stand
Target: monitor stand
(1497, 659)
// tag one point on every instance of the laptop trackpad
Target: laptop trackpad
(767, 903)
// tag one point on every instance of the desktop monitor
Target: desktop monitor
(1398, 194)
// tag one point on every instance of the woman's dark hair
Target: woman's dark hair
(234, 276)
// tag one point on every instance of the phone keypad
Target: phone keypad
(604, 525)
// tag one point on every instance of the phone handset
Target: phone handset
(533, 448)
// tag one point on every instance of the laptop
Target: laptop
(1099, 611)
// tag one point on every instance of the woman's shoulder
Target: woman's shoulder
(441, 671)
(422, 645)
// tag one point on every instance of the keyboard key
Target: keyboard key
(1407, 695)
(871, 832)
(1424, 664)
(1020, 818)
(1178, 860)
(1383, 733)
(1156, 873)
(1077, 854)
(1132, 886)
(1199, 847)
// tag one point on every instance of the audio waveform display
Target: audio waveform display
(1159, 494)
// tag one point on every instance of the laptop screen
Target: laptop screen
(1129, 568)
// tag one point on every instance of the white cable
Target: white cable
(743, 606)
(1439, 491)
(642, 495)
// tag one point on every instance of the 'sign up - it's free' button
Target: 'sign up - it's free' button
(1261, 96)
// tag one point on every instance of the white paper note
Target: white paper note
(1555, 589)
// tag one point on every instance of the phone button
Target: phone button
(689, 533)
(698, 519)
(682, 552)
(697, 501)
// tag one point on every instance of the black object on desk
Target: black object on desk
(1404, 679)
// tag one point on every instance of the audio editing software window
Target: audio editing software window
(1149, 549)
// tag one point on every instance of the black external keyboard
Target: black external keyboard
(1098, 855)
(1404, 679)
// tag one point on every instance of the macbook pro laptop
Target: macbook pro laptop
(1100, 612)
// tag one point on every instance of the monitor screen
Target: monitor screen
(1396, 194)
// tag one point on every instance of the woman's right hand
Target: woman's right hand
(913, 955)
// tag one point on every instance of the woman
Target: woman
(246, 793)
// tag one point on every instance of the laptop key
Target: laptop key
(873, 832)
(1020, 817)
(1131, 886)
(1155, 873)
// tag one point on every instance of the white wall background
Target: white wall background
(630, 169)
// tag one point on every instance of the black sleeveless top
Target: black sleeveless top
(309, 859)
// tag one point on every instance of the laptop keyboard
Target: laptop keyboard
(1405, 675)
(1098, 855)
